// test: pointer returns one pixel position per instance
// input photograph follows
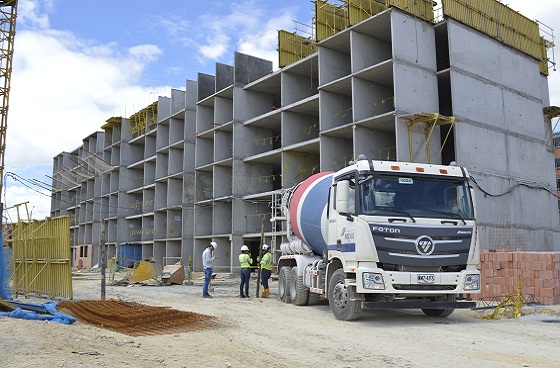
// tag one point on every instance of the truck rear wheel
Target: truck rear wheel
(284, 283)
(312, 298)
(298, 291)
(342, 298)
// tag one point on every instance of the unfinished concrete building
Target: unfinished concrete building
(393, 84)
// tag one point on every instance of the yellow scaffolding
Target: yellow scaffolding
(429, 122)
(139, 121)
(551, 112)
(359, 10)
(423, 9)
(293, 47)
(387, 153)
(329, 19)
(488, 16)
(112, 122)
(502, 23)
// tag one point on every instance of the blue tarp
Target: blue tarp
(50, 307)
(5, 272)
(2, 281)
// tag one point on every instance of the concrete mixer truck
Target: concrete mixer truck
(381, 235)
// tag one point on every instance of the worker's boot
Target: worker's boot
(266, 292)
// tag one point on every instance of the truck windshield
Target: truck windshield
(381, 194)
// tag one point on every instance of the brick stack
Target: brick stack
(540, 272)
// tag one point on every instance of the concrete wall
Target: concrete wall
(501, 138)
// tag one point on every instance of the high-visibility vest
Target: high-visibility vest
(245, 260)
(266, 261)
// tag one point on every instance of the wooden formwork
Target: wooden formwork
(41, 258)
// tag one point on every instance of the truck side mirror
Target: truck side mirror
(342, 188)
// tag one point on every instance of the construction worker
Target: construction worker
(266, 269)
(208, 263)
(246, 261)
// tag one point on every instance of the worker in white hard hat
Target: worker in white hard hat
(266, 269)
(208, 263)
(246, 261)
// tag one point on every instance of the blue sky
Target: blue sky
(78, 63)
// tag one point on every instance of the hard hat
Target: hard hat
(265, 246)
(244, 248)
(214, 244)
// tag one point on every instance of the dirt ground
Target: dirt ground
(268, 333)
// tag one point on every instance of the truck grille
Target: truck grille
(400, 244)
(425, 287)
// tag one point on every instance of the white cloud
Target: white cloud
(62, 90)
(247, 26)
(216, 46)
(545, 12)
(263, 42)
(145, 53)
(37, 203)
(34, 12)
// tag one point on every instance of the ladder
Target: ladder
(278, 218)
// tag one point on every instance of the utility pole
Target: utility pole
(102, 260)
(259, 256)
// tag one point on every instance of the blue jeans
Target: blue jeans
(265, 275)
(245, 276)
(207, 277)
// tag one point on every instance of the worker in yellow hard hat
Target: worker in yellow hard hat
(246, 261)
(266, 269)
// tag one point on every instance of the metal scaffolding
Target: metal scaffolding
(429, 122)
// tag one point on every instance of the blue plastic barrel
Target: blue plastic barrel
(131, 253)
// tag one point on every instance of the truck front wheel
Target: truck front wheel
(438, 312)
(284, 283)
(441, 312)
(342, 298)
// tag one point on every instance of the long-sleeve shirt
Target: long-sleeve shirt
(207, 258)
(266, 261)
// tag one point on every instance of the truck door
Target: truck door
(344, 217)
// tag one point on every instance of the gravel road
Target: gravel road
(268, 333)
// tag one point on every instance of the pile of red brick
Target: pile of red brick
(540, 274)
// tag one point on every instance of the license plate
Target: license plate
(426, 279)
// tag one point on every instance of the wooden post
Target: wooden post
(102, 260)
(189, 270)
(260, 252)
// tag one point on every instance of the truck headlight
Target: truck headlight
(472, 281)
(373, 281)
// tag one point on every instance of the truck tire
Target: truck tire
(442, 313)
(438, 312)
(298, 290)
(284, 283)
(312, 298)
(342, 298)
